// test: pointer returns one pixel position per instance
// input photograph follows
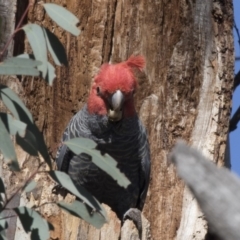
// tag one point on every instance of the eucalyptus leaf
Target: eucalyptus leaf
(15, 104)
(20, 112)
(34, 223)
(40, 143)
(56, 48)
(30, 186)
(37, 41)
(3, 227)
(7, 148)
(2, 187)
(3, 223)
(50, 76)
(3, 235)
(50, 73)
(20, 60)
(19, 66)
(105, 162)
(13, 125)
(28, 143)
(2, 194)
(26, 55)
(80, 210)
(62, 17)
(65, 181)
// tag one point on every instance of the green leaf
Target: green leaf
(3, 235)
(19, 111)
(50, 74)
(81, 210)
(33, 222)
(2, 192)
(30, 186)
(37, 41)
(2, 195)
(26, 55)
(20, 60)
(7, 149)
(3, 227)
(39, 143)
(105, 162)
(13, 125)
(14, 104)
(64, 180)
(62, 17)
(18, 66)
(28, 143)
(50, 69)
(3, 223)
(2, 187)
(56, 48)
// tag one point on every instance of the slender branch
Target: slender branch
(18, 28)
(41, 205)
(236, 117)
(24, 14)
(234, 120)
(2, 218)
(237, 31)
(236, 81)
(25, 184)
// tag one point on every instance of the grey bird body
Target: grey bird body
(126, 141)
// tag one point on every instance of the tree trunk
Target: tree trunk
(185, 92)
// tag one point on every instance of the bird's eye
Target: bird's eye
(98, 91)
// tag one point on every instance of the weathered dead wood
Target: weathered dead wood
(7, 23)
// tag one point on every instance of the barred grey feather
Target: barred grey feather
(126, 141)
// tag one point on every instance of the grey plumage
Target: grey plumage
(126, 141)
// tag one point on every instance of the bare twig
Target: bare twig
(22, 187)
(237, 31)
(234, 120)
(43, 204)
(236, 117)
(2, 218)
(236, 81)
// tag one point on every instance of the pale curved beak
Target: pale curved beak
(116, 102)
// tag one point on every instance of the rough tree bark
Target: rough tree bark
(184, 92)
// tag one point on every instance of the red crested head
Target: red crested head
(113, 88)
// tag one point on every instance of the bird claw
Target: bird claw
(134, 214)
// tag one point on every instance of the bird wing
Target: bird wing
(62, 158)
(73, 129)
(145, 169)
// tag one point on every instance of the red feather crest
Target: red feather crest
(119, 76)
(113, 77)
(136, 62)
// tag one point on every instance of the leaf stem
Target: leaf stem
(41, 205)
(22, 187)
(2, 218)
